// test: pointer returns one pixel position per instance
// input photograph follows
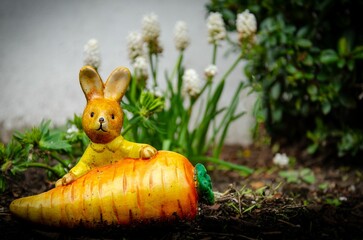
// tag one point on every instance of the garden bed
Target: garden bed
(261, 206)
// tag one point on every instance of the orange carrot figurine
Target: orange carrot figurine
(165, 188)
(102, 121)
(113, 184)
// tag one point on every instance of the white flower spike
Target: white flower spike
(211, 71)
(141, 68)
(191, 83)
(92, 56)
(216, 28)
(150, 27)
(135, 46)
(246, 24)
(181, 36)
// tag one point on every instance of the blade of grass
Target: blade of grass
(229, 165)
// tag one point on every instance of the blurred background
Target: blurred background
(41, 49)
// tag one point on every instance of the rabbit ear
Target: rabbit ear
(91, 83)
(117, 83)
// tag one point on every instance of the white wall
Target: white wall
(41, 52)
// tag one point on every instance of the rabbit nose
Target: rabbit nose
(101, 119)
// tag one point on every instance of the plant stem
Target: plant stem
(128, 128)
(177, 65)
(244, 169)
(234, 65)
(180, 80)
(214, 59)
(40, 165)
(152, 66)
(60, 160)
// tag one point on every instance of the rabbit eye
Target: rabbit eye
(92, 114)
(113, 116)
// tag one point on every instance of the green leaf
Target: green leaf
(304, 43)
(302, 32)
(347, 101)
(308, 61)
(243, 169)
(275, 91)
(341, 63)
(342, 46)
(291, 69)
(350, 64)
(334, 202)
(54, 142)
(291, 176)
(358, 52)
(323, 186)
(312, 90)
(3, 184)
(307, 175)
(328, 56)
(277, 115)
(312, 148)
(326, 107)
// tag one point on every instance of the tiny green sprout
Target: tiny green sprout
(333, 202)
(261, 190)
(323, 186)
(297, 176)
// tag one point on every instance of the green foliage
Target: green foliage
(42, 147)
(193, 125)
(298, 176)
(307, 67)
(245, 200)
(333, 202)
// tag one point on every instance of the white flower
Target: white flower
(210, 71)
(157, 92)
(280, 159)
(181, 36)
(343, 199)
(141, 68)
(246, 24)
(150, 27)
(216, 28)
(191, 83)
(72, 130)
(135, 45)
(92, 56)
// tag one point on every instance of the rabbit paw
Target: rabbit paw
(148, 152)
(65, 180)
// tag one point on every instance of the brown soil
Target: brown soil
(261, 206)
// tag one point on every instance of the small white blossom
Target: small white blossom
(92, 56)
(191, 83)
(72, 130)
(343, 199)
(157, 92)
(135, 45)
(141, 68)
(280, 159)
(246, 24)
(216, 28)
(181, 36)
(150, 27)
(211, 71)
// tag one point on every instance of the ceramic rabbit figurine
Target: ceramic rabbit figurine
(102, 121)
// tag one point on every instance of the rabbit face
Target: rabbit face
(102, 120)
